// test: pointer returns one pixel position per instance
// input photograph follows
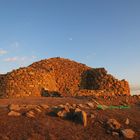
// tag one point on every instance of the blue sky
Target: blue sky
(99, 33)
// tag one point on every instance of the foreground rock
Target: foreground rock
(69, 112)
(127, 121)
(68, 125)
(113, 125)
(90, 104)
(14, 107)
(128, 133)
(14, 113)
(30, 114)
(44, 106)
(83, 115)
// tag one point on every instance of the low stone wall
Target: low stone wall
(59, 75)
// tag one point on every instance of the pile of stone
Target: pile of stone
(98, 79)
(59, 75)
(2, 85)
(27, 110)
(26, 82)
(115, 128)
(70, 112)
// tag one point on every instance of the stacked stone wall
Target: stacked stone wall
(98, 79)
(27, 82)
(59, 75)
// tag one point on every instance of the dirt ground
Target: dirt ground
(46, 127)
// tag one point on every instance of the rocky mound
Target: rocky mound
(59, 75)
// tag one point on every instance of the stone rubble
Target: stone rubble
(68, 112)
(58, 76)
(72, 112)
(113, 125)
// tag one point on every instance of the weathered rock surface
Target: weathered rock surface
(30, 114)
(44, 106)
(113, 124)
(84, 118)
(68, 112)
(128, 133)
(62, 114)
(127, 121)
(38, 109)
(14, 113)
(14, 107)
(57, 76)
(90, 104)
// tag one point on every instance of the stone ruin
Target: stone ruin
(98, 80)
(59, 76)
